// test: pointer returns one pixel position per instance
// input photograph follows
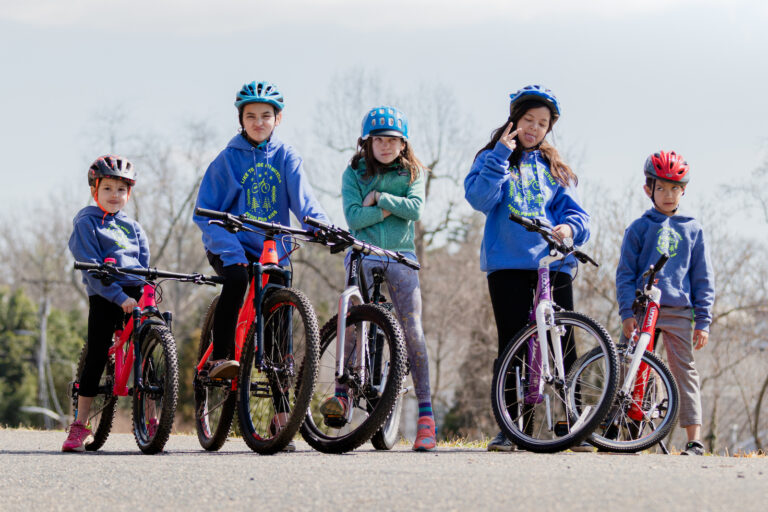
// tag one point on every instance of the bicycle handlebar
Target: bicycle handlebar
(655, 269)
(106, 269)
(235, 223)
(339, 239)
(545, 230)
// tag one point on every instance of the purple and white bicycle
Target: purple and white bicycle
(537, 404)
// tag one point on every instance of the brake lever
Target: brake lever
(233, 226)
(584, 258)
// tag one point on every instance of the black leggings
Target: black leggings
(104, 317)
(512, 298)
(230, 301)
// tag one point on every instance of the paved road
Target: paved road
(35, 475)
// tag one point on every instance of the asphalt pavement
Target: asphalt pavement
(36, 475)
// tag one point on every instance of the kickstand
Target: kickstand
(663, 448)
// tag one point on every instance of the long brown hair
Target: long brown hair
(559, 169)
(406, 159)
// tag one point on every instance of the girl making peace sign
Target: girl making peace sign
(519, 172)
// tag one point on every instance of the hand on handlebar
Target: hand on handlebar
(562, 231)
(128, 305)
(628, 327)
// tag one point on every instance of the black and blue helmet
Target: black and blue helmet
(385, 121)
(537, 92)
(259, 92)
(111, 166)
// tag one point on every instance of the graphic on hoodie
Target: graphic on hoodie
(526, 197)
(261, 185)
(119, 234)
(667, 241)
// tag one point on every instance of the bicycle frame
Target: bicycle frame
(250, 311)
(356, 293)
(638, 371)
(129, 358)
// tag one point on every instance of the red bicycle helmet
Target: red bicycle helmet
(667, 166)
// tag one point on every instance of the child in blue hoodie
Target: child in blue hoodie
(259, 176)
(104, 231)
(686, 281)
(518, 171)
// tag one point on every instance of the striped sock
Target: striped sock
(425, 409)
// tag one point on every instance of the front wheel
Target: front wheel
(215, 399)
(386, 437)
(104, 403)
(370, 395)
(274, 390)
(154, 404)
(532, 409)
(645, 415)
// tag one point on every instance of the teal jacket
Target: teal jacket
(404, 200)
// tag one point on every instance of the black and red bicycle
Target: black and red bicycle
(144, 347)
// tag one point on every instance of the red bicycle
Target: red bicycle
(145, 347)
(646, 405)
(277, 343)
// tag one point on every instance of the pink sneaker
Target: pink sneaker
(79, 436)
(425, 435)
(152, 427)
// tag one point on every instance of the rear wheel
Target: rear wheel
(215, 399)
(104, 403)
(370, 396)
(274, 390)
(641, 418)
(154, 405)
(534, 411)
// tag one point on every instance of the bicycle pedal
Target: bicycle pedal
(335, 421)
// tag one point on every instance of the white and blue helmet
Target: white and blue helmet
(385, 121)
(536, 92)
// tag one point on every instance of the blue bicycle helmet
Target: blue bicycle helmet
(538, 92)
(385, 121)
(259, 92)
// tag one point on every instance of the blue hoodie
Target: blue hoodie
(265, 183)
(531, 192)
(686, 280)
(119, 237)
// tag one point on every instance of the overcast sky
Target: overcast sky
(632, 76)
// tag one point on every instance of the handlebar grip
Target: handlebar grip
(411, 263)
(521, 220)
(213, 214)
(81, 265)
(315, 223)
(660, 263)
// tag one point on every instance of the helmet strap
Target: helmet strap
(96, 199)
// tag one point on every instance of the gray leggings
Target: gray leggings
(405, 294)
(676, 325)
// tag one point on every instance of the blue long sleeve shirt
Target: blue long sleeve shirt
(529, 190)
(686, 280)
(119, 237)
(265, 183)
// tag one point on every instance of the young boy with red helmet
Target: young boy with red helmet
(686, 281)
(100, 232)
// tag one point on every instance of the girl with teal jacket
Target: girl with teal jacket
(383, 195)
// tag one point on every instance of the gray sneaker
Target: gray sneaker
(693, 448)
(501, 444)
(583, 447)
